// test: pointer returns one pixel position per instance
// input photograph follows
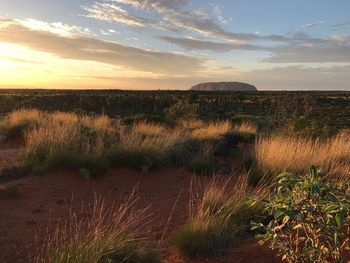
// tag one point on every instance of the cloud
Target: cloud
(114, 13)
(300, 48)
(173, 16)
(340, 25)
(305, 49)
(312, 25)
(300, 78)
(91, 49)
(196, 44)
(57, 28)
(20, 60)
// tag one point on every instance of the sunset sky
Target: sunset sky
(174, 44)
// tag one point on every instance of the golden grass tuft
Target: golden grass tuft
(219, 216)
(285, 153)
(150, 136)
(63, 132)
(24, 116)
(213, 130)
(100, 233)
(246, 127)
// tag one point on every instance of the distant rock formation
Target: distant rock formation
(224, 86)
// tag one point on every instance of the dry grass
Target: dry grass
(18, 122)
(212, 130)
(62, 140)
(284, 153)
(220, 214)
(65, 140)
(191, 125)
(101, 233)
(150, 136)
(24, 116)
(246, 127)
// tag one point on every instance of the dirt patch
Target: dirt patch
(9, 156)
(50, 196)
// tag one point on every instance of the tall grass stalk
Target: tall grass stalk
(100, 233)
(284, 153)
(219, 215)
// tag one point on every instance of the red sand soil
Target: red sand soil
(10, 150)
(27, 204)
(39, 198)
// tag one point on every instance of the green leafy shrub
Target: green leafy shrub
(311, 219)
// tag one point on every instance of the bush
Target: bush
(219, 218)
(66, 141)
(311, 219)
(203, 242)
(201, 166)
(139, 159)
(181, 110)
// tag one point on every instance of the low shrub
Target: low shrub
(201, 166)
(139, 159)
(16, 123)
(219, 218)
(201, 242)
(66, 141)
(182, 109)
(310, 219)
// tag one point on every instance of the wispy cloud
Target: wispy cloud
(57, 28)
(197, 44)
(340, 25)
(305, 49)
(299, 48)
(91, 49)
(19, 60)
(312, 25)
(174, 16)
(303, 78)
(114, 13)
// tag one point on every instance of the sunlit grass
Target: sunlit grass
(100, 233)
(61, 140)
(212, 130)
(220, 215)
(285, 153)
(16, 123)
(245, 127)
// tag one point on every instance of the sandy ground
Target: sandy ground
(38, 198)
(27, 205)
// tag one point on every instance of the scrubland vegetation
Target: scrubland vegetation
(70, 141)
(109, 233)
(219, 218)
(276, 153)
(310, 219)
(302, 213)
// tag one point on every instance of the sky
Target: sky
(174, 44)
